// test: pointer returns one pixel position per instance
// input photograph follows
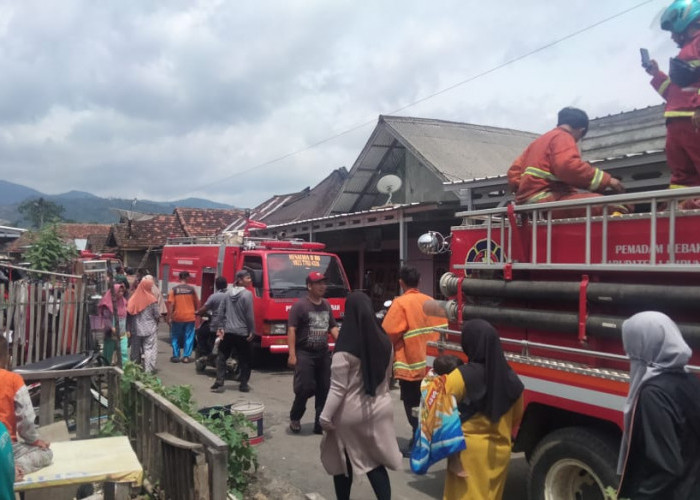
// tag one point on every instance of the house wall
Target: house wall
(421, 184)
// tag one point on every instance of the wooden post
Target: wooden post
(82, 412)
(115, 314)
(11, 323)
(47, 401)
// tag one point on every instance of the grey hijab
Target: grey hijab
(654, 345)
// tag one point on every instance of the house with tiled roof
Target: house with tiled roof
(79, 235)
(205, 222)
(139, 242)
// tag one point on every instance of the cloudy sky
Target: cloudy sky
(238, 100)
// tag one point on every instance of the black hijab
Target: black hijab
(361, 336)
(491, 384)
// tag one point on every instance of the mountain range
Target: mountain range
(80, 206)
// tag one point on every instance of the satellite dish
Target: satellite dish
(131, 215)
(389, 184)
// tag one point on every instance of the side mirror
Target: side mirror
(432, 243)
(256, 274)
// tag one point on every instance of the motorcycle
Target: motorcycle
(65, 400)
(382, 312)
(207, 350)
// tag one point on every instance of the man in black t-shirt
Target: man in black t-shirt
(310, 322)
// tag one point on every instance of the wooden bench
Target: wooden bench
(108, 460)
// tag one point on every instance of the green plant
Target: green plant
(49, 251)
(232, 428)
(611, 494)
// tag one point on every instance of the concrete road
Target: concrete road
(294, 458)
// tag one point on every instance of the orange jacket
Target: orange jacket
(680, 101)
(552, 165)
(10, 383)
(410, 329)
(184, 302)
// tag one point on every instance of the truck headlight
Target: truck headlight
(278, 328)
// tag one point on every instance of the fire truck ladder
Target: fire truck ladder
(514, 224)
(508, 221)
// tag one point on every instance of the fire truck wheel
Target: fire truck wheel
(573, 463)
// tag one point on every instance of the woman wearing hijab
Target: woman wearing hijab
(489, 396)
(660, 449)
(105, 309)
(144, 316)
(358, 415)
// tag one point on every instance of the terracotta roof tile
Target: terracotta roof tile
(67, 231)
(206, 222)
(153, 232)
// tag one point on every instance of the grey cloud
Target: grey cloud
(179, 94)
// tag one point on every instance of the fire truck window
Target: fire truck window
(288, 272)
(254, 265)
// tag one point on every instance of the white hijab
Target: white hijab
(654, 345)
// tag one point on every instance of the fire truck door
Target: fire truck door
(208, 277)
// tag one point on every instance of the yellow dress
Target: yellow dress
(486, 458)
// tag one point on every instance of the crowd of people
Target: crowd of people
(139, 307)
(660, 447)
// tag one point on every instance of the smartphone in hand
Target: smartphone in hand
(646, 61)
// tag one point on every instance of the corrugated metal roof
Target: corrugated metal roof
(313, 202)
(447, 151)
(624, 134)
(460, 150)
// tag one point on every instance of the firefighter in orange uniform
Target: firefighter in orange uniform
(410, 329)
(681, 90)
(551, 168)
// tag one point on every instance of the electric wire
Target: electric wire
(428, 97)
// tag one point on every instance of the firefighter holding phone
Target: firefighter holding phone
(681, 90)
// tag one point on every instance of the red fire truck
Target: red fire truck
(558, 291)
(278, 267)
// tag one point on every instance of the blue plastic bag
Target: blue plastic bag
(439, 433)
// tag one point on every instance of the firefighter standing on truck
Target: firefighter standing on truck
(410, 329)
(681, 90)
(551, 168)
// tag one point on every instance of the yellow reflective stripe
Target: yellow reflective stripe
(677, 186)
(421, 331)
(695, 63)
(662, 88)
(597, 179)
(398, 365)
(542, 174)
(678, 114)
(538, 197)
